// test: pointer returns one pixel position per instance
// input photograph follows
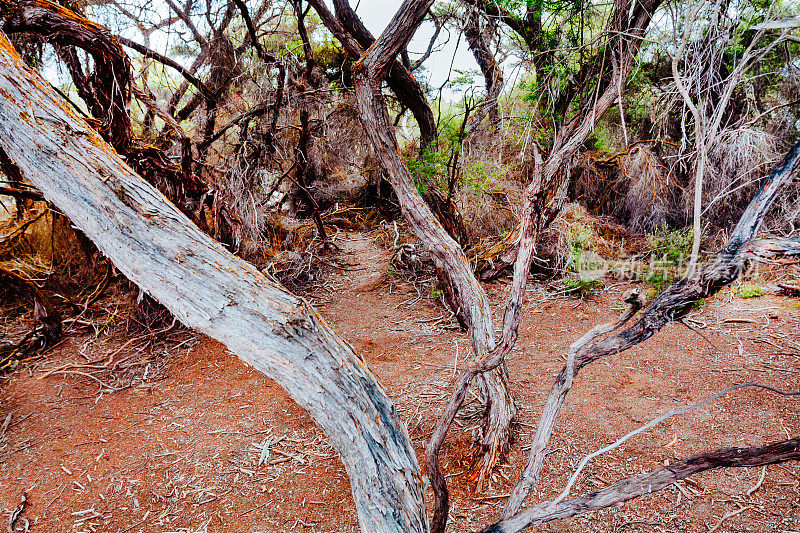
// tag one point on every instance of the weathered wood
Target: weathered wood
(492, 73)
(448, 256)
(480, 363)
(211, 291)
(355, 38)
(644, 484)
(106, 92)
(671, 304)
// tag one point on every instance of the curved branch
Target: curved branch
(642, 485)
(671, 304)
(492, 73)
(152, 54)
(356, 39)
(108, 90)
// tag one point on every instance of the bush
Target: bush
(751, 290)
(659, 280)
(668, 245)
(581, 287)
(580, 238)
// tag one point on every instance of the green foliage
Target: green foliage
(464, 80)
(434, 168)
(581, 287)
(671, 246)
(603, 138)
(660, 279)
(751, 290)
(668, 250)
(430, 170)
(579, 241)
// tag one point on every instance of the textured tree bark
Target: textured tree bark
(672, 304)
(644, 484)
(492, 73)
(355, 38)
(447, 254)
(213, 292)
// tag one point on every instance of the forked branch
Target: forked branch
(673, 303)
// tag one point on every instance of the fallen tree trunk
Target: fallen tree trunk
(211, 291)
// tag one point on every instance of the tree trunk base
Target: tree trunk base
(497, 433)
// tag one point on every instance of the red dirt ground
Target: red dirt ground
(179, 451)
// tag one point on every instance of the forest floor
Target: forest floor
(178, 450)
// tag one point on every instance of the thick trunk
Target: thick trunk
(212, 291)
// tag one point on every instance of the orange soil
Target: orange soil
(180, 452)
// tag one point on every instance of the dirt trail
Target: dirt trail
(181, 452)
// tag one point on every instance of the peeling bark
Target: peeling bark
(492, 73)
(211, 291)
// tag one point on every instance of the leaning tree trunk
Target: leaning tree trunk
(448, 256)
(213, 292)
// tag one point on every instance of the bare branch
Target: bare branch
(642, 485)
(672, 304)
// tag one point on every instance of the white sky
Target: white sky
(376, 14)
(450, 54)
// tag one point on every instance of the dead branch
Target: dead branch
(673, 303)
(152, 54)
(27, 194)
(656, 421)
(642, 485)
(106, 91)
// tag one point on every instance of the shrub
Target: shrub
(580, 238)
(751, 290)
(670, 245)
(581, 287)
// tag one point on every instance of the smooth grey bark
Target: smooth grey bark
(212, 291)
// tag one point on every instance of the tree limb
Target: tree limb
(671, 304)
(400, 80)
(152, 54)
(642, 485)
